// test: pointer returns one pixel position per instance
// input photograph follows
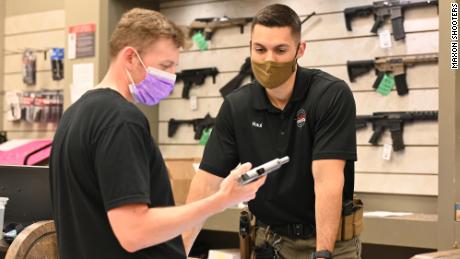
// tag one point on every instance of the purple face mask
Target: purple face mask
(156, 86)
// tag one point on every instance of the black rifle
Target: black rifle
(394, 122)
(195, 76)
(382, 10)
(210, 25)
(236, 82)
(199, 125)
(395, 65)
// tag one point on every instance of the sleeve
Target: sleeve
(335, 133)
(221, 152)
(122, 165)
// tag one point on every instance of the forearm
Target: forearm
(156, 225)
(136, 226)
(328, 206)
(202, 186)
(329, 181)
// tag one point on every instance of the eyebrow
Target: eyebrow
(168, 62)
(277, 46)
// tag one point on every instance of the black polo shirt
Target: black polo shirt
(317, 123)
(104, 157)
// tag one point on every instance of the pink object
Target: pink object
(15, 152)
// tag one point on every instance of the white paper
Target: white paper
(385, 38)
(72, 45)
(13, 107)
(383, 214)
(387, 151)
(83, 80)
(193, 103)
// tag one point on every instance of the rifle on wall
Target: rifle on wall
(395, 65)
(382, 10)
(394, 122)
(199, 125)
(208, 26)
(237, 81)
(195, 76)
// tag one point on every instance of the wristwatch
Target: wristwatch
(322, 254)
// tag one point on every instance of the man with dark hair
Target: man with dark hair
(305, 114)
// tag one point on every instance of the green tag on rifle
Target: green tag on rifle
(205, 136)
(386, 84)
(200, 41)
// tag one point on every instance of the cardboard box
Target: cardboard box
(224, 254)
(181, 172)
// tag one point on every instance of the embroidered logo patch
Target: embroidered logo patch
(301, 118)
(257, 125)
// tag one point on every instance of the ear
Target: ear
(128, 57)
(302, 47)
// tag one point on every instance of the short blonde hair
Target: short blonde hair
(140, 28)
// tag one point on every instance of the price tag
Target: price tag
(386, 84)
(193, 103)
(387, 151)
(385, 39)
(200, 41)
(205, 136)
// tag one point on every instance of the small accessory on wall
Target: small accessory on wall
(13, 99)
(57, 64)
(29, 67)
(27, 106)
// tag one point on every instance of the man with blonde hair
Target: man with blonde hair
(110, 189)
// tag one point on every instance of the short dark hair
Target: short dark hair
(278, 15)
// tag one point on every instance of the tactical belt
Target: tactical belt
(292, 231)
(351, 224)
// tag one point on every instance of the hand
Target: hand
(232, 192)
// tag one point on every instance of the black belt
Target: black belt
(293, 231)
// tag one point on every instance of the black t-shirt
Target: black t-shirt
(317, 123)
(103, 157)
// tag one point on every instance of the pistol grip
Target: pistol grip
(172, 128)
(208, 34)
(348, 18)
(242, 28)
(186, 90)
(378, 131)
(379, 20)
(378, 80)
